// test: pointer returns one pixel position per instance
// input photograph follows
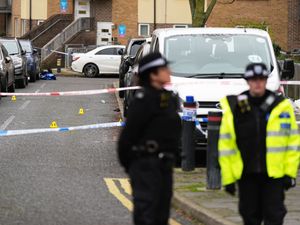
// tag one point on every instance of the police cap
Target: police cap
(151, 62)
(256, 70)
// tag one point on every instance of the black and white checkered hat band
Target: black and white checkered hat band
(257, 71)
(156, 63)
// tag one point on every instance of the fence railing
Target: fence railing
(69, 32)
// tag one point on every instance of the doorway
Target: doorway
(104, 33)
(82, 8)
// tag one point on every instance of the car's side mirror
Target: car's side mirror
(120, 51)
(35, 51)
(23, 52)
(288, 70)
(7, 59)
(130, 61)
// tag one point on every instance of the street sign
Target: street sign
(63, 6)
(122, 30)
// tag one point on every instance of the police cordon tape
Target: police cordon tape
(4, 133)
(113, 90)
(62, 129)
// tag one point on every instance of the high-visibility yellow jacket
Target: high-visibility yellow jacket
(283, 144)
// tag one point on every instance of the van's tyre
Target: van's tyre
(37, 76)
(91, 70)
(32, 78)
(12, 88)
(4, 87)
(21, 83)
(121, 84)
(26, 80)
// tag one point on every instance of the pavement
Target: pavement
(71, 178)
(215, 207)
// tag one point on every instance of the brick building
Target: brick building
(281, 17)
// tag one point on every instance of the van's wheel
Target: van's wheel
(21, 83)
(33, 78)
(12, 88)
(37, 75)
(4, 87)
(91, 70)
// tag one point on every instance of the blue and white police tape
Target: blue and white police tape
(62, 129)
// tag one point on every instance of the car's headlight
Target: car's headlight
(18, 62)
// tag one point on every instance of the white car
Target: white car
(102, 60)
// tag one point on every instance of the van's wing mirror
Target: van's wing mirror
(23, 52)
(129, 61)
(7, 59)
(35, 51)
(288, 70)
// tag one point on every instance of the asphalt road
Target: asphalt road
(63, 178)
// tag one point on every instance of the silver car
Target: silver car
(6, 71)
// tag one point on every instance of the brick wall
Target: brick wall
(273, 12)
(2, 24)
(15, 16)
(54, 7)
(294, 24)
(125, 12)
(101, 10)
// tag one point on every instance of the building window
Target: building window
(24, 24)
(17, 29)
(180, 26)
(144, 30)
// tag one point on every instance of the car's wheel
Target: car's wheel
(91, 70)
(121, 84)
(21, 83)
(33, 78)
(4, 86)
(125, 106)
(12, 87)
(37, 75)
(26, 80)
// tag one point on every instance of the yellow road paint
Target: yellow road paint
(113, 189)
(125, 184)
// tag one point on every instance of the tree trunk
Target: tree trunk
(199, 15)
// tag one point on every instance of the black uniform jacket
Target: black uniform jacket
(152, 117)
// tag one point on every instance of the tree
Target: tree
(199, 15)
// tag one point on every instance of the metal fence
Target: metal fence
(60, 39)
(291, 90)
(76, 48)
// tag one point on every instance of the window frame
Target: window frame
(148, 29)
(115, 52)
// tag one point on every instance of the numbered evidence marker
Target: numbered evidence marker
(81, 111)
(53, 125)
(14, 98)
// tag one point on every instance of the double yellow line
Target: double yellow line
(125, 184)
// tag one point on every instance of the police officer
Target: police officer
(149, 142)
(259, 149)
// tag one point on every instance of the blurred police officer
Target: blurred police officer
(259, 149)
(149, 142)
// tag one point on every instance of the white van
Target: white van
(208, 63)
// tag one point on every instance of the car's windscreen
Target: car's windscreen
(11, 47)
(26, 46)
(215, 55)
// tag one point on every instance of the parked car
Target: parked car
(131, 78)
(17, 54)
(215, 59)
(102, 60)
(6, 71)
(33, 59)
(131, 49)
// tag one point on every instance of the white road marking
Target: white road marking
(7, 122)
(37, 91)
(25, 104)
(43, 85)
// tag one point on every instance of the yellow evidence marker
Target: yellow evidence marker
(53, 125)
(81, 111)
(14, 98)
